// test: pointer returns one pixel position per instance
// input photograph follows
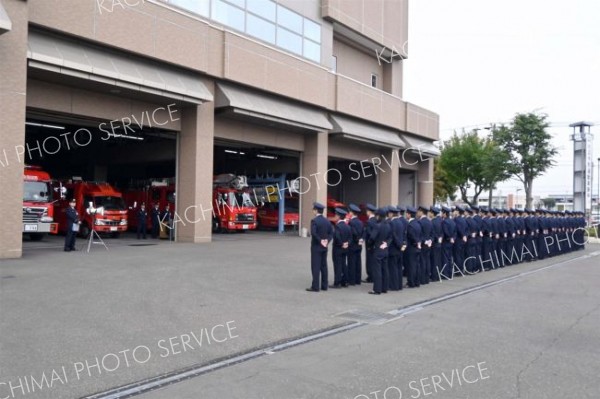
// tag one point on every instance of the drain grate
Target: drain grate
(5, 277)
(367, 316)
(141, 245)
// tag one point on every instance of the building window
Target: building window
(228, 14)
(373, 80)
(263, 19)
(289, 19)
(289, 41)
(263, 8)
(260, 28)
(312, 50)
(195, 6)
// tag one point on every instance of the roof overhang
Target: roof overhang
(364, 132)
(420, 146)
(86, 61)
(269, 109)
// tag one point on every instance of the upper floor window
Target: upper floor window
(265, 20)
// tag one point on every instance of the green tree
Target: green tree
(469, 161)
(442, 189)
(527, 142)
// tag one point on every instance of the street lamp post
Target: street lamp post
(598, 198)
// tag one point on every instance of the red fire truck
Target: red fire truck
(161, 192)
(111, 213)
(233, 208)
(38, 208)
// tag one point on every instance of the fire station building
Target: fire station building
(190, 89)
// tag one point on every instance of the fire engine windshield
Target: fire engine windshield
(35, 191)
(241, 199)
(110, 203)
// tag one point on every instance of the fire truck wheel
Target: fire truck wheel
(84, 230)
(36, 236)
(215, 226)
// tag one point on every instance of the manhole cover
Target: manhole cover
(367, 316)
(141, 245)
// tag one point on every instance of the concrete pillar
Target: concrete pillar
(387, 182)
(392, 78)
(13, 85)
(425, 182)
(314, 168)
(195, 173)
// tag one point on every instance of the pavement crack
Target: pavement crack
(550, 346)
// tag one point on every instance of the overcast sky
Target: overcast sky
(475, 62)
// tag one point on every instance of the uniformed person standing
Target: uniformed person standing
(381, 238)
(72, 226)
(356, 246)
(142, 220)
(371, 224)
(479, 237)
(438, 238)
(426, 244)
(470, 251)
(413, 249)
(155, 218)
(487, 260)
(321, 233)
(397, 248)
(449, 229)
(462, 235)
(341, 244)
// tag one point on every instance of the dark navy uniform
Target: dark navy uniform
(320, 230)
(436, 249)
(449, 229)
(470, 251)
(371, 225)
(142, 216)
(426, 244)
(381, 237)
(155, 219)
(355, 250)
(479, 237)
(462, 234)
(396, 251)
(413, 249)
(341, 245)
(487, 229)
(502, 238)
(72, 219)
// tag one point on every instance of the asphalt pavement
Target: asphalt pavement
(93, 322)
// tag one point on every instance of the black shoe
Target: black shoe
(374, 293)
(67, 250)
(311, 290)
(336, 286)
(384, 292)
(74, 249)
(368, 280)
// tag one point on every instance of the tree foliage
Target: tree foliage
(442, 188)
(527, 143)
(469, 161)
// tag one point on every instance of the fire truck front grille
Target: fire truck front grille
(111, 223)
(244, 217)
(32, 215)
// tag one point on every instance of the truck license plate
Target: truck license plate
(113, 229)
(244, 226)
(31, 227)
